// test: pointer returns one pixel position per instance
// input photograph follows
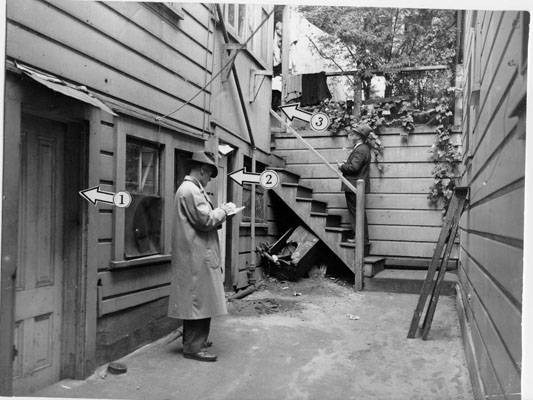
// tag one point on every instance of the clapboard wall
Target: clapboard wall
(403, 224)
(490, 272)
(143, 61)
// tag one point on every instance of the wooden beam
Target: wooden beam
(236, 78)
(403, 69)
(359, 235)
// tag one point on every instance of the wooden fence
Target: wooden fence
(403, 224)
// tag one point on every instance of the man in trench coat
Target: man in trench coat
(356, 167)
(197, 291)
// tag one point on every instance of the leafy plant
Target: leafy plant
(446, 156)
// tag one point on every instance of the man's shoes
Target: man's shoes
(201, 356)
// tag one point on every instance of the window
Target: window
(169, 11)
(265, 43)
(143, 216)
(235, 16)
(260, 199)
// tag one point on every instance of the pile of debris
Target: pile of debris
(292, 256)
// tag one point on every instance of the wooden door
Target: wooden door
(38, 305)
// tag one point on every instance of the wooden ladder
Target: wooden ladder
(440, 261)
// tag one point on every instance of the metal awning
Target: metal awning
(58, 85)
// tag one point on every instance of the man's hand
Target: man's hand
(228, 207)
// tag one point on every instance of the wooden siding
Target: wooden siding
(403, 224)
(492, 228)
(144, 66)
(119, 49)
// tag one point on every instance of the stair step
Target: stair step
(319, 214)
(337, 229)
(286, 175)
(319, 206)
(407, 281)
(301, 191)
(348, 244)
(373, 265)
(333, 220)
(309, 199)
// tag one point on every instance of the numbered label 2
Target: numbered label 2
(269, 179)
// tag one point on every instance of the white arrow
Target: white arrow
(293, 111)
(94, 194)
(242, 176)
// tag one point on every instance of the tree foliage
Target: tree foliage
(381, 38)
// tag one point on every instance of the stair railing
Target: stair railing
(360, 207)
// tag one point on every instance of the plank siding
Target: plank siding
(403, 223)
(101, 62)
(491, 264)
(142, 65)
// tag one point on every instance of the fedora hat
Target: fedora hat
(207, 158)
(363, 130)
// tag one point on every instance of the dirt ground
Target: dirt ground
(312, 339)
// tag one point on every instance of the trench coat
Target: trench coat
(197, 290)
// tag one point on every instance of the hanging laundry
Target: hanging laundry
(314, 89)
(293, 86)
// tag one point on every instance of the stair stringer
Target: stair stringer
(317, 225)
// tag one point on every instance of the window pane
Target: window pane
(143, 226)
(242, 16)
(143, 217)
(142, 168)
(259, 204)
(264, 38)
(231, 14)
(247, 203)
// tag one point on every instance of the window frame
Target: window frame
(250, 22)
(156, 194)
(169, 11)
(259, 192)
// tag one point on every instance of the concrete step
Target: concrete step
(407, 281)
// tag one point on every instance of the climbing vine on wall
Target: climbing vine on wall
(400, 112)
(446, 156)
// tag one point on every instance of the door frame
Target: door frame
(23, 97)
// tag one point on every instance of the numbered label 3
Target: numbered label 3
(319, 122)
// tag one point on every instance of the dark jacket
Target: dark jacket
(357, 166)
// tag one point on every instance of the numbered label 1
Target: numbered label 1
(122, 199)
(319, 122)
(269, 179)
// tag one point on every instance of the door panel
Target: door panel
(38, 304)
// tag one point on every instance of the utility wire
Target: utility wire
(229, 62)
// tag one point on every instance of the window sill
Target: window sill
(156, 259)
(257, 225)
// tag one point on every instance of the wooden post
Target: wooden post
(359, 235)
(251, 272)
(357, 96)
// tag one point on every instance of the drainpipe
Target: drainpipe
(359, 235)
(251, 271)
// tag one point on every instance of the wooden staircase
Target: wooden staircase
(314, 213)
